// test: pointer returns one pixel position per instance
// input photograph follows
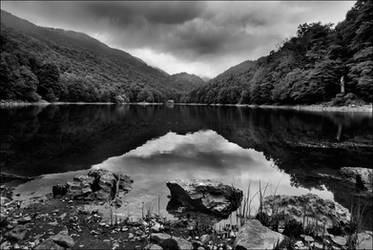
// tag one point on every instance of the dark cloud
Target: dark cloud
(203, 37)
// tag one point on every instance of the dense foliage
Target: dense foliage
(57, 65)
(306, 69)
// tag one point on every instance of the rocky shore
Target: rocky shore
(62, 220)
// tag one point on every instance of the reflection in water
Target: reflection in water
(203, 154)
(237, 144)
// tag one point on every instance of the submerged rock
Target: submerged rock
(205, 196)
(304, 207)
(253, 235)
(98, 184)
(362, 177)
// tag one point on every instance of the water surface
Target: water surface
(291, 151)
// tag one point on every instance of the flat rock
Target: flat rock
(63, 239)
(309, 205)
(253, 235)
(205, 196)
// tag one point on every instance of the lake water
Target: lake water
(292, 152)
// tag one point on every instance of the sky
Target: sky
(198, 37)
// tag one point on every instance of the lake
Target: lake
(293, 152)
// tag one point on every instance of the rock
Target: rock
(364, 241)
(156, 227)
(339, 240)
(4, 200)
(325, 211)
(49, 244)
(153, 247)
(298, 245)
(98, 184)
(168, 242)
(130, 236)
(307, 238)
(17, 233)
(205, 239)
(253, 235)
(316, 245)
(205, 196)
(362, 177)
(63, 239)
(24, 220)
(6, 245)
(159, 237)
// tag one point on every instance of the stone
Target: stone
(253, 235)
(339, 240)
(24, 220)
(63, 239)
(153, 247)
(98, 184)
(299, 244)
(156, 227)
(158, 237)
(307, 238)
(327, 212)
(49, 244)
(316, 245)
(205, 196)
(364, 241)
(362, 177)
(168, 242)
(205, 239)
(4, 200)
(18, 233)
(131, 235)
(6, 245)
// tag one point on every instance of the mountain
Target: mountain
(59, 65)
(308, 68)
(184, 82)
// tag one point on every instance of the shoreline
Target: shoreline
(368, 108)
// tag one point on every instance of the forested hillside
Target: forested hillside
(308, 68)
(184, 82)
(57, 65)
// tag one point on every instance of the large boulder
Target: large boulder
(362, 177)
(205, 196)
(253, 235)
(98, 184)
(306, 207)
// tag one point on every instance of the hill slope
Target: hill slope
(184, 82)
(306, 69)
(59, 65)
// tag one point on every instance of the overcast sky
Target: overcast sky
(203, 38)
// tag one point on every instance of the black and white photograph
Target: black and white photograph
(186, 125)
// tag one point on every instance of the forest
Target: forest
(323, 63)
(306, 69)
